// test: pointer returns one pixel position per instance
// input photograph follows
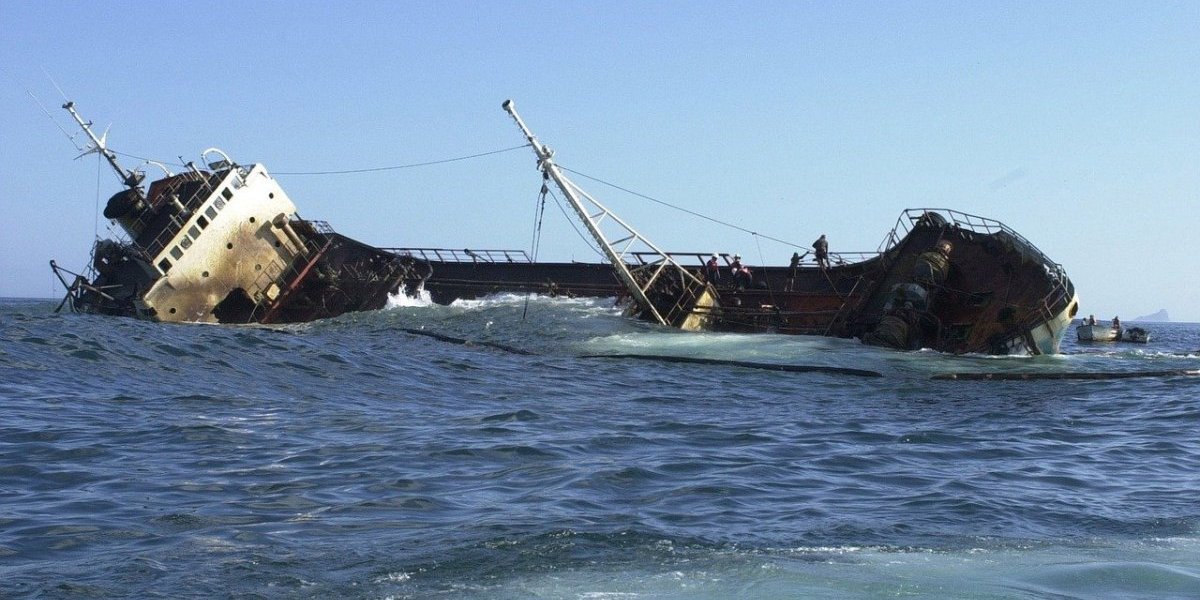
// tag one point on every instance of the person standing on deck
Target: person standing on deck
(821, 250)
(795, 266)
(712, 270)
(735, 268)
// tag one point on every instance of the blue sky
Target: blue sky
(1076, 123)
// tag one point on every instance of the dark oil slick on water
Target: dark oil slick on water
(358, 458)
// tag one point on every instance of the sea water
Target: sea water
(482, 450)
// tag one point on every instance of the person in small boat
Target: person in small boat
(1091, 320)
(821, 250)
(712, 270)
(1116, 322)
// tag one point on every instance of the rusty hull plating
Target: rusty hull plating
(224, 245)
(997, 293)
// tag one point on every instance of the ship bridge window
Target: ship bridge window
(219, 203)
(185, 243)
(228, 193)
(164, 265)
(211, 212)
(194, 232)
(202, 222)
(176, 252)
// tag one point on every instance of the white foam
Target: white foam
(401, 299)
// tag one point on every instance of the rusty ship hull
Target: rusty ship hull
(998, 293)
(223, 244)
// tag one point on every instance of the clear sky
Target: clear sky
(1076, 123)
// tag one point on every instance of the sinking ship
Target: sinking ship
(941, 279)
(223, 244)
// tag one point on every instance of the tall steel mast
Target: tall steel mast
(99, 144)
(698, 299)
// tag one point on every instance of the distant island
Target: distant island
(1158, 317)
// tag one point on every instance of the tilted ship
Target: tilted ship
(224, 244)
(941, 279)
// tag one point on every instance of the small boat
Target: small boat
(1098, 333)
(1136, 335)
(223, 244)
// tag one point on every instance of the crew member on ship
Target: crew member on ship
(712, 270)
(821, 250)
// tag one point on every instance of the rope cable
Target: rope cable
(681, 209)
(409, 166)
(762, 261)
(538, 213)
(96, 221)
(350, 171)
(586, 240)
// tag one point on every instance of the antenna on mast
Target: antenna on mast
(131, 179)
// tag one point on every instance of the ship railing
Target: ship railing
(700, 258)
(909, 219)
(177, 223)
(224, 165)
(313, 244)
(1051, 304)
(322, 227)
(462, 256)
(639, 259)
(285, 273)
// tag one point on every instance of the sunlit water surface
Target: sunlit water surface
(482, 451)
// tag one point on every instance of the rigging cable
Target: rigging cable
(351, 171)
(681, 209)
(539, 212)
(770, 291)
(96, 221)
(589, 242)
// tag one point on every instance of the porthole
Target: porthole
(271, 195)
(229, 246)
(251, 219)
(204, 274)
(172, 311)
(257, 267)
(277, 243)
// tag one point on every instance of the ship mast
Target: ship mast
(132, 179)
(699, 298)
